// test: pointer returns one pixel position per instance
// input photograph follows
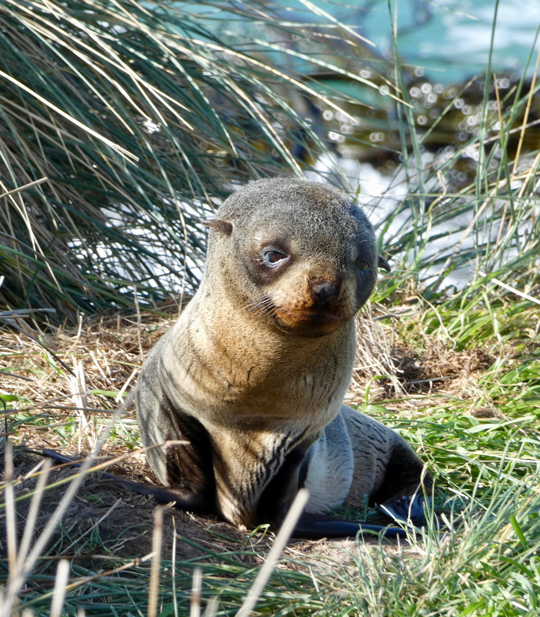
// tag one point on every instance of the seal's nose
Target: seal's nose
(324, 293)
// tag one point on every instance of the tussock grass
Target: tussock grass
(487, 226)
(124, 124)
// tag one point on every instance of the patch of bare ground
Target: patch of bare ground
(106, 521)
(65, 386)
(65, 389)
(402, 369)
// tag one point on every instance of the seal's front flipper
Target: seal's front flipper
(182, 499)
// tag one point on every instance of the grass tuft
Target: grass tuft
(124, 125)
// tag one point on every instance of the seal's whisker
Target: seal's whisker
(263, 306)
(267, 310)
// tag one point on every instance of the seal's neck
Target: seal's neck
(258, 372)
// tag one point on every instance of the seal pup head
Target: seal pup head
(306, 252)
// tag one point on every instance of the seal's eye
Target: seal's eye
(361, 265)
(273, 257)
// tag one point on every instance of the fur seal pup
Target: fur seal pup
(253, 374)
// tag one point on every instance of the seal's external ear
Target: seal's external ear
(224, 227)
(382, 263)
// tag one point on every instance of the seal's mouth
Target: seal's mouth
(305, 316)
(316, 321)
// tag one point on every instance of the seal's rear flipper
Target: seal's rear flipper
(312, 526)
(407, 509)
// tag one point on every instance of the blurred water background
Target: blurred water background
(449, 40)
